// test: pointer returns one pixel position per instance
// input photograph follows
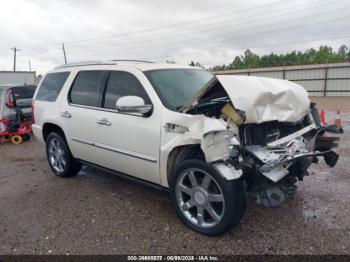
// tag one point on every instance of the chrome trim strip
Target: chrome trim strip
(86, 63)
(292, 136)
(116, 150)
(107, 110)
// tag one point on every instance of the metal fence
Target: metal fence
(318, 80)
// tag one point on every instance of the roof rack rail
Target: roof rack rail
(86, 63)
(131, 60)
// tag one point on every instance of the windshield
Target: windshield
(177, 86)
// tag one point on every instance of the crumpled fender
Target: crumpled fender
(181, 129)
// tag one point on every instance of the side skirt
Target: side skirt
(125, 176)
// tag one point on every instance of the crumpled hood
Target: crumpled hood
(266, 99)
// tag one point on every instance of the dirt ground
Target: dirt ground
(96, 213)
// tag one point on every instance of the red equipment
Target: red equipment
(16, 137)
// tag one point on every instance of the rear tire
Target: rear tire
(204, 200)
(59, 156)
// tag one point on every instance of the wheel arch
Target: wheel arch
(182, 152)
(49, 128)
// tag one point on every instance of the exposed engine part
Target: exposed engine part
(268, 132)
(276, 161)
(287, 139)
(232, 115)
(272, 195)
(279, 155)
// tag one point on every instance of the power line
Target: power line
(203, 40)
(200, 39)
(165, 26)
(164, 57)
(215, 42)
(211, 43)
(200, 26)
(208, 27)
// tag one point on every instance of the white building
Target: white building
(17, 78)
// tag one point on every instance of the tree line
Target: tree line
(323, 55)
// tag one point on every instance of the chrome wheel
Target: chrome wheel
(57, 155)
(200, 198)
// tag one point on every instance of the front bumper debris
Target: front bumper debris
(279, 155)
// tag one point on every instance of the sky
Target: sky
(211, 32)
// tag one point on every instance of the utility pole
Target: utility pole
(64, 53)
(15, 50)
(30, 67)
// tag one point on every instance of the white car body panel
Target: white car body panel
(266, 99)
(198, 127)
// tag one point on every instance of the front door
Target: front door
(128, 143)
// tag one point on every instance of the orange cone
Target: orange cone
(337, 121)
(323, 118)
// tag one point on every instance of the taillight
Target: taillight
(9, 99)
(33, 119)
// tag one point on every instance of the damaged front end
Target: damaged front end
(263, 142)
(277, 155)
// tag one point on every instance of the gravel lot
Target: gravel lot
(96, 213)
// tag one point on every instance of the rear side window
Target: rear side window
(123, 84)
(22, 92)
(88, 87)
(51, 86)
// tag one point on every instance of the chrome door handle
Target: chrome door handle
(104, 122)
(66, 114)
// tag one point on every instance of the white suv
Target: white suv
(209, 140)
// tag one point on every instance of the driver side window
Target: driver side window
(123, 84)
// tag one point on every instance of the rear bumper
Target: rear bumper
(38, 132)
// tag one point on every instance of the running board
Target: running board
(126, 177)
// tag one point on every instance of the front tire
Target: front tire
(60, 158)
(204, 200)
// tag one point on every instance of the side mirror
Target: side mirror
(133, 105)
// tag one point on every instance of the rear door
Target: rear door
(81, 112)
